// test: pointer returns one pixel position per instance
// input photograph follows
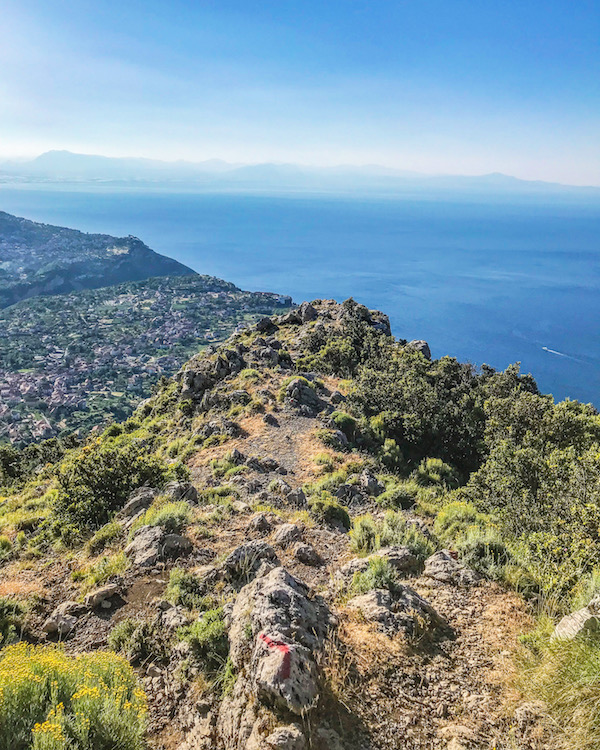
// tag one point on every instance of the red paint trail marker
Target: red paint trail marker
(284, 672)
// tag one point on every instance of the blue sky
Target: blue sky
(453, 86)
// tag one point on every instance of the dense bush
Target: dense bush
(378, 575)
(96, 480)
(51, 701)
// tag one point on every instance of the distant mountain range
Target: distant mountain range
(214, 174)
(42, 259)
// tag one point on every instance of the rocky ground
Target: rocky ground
(421, 666)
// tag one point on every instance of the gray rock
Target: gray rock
(307, 312)
(421, 346)
(395, 611)
(286, 627)
(287, 534)
(177, 491)
(400, 558)
(63, 619)
(174, 617)
(280, 486)
(246, 559)
(370, 484)
(307, 554)
(349, 493)
(271, 420)
(259, 524)
(151, 544)
(139, 501)
(297, 498)
(286, 738)
(337, 397)
(585, 621)
(96, 597)
(145, 548)
(265, 325)
(444, 567)
(298, 394)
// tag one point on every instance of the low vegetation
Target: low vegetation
(52, 701)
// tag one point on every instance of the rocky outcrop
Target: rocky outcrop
(395, 610)
(300, 395)
(420, 346)
(63, 618)
(444, 567)
(199, 375)
(152, 544)
(245, 560)
(275, 631)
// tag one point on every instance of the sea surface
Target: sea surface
(484, 282)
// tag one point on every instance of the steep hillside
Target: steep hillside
(43, 259)
(313, 537)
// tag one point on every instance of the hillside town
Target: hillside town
(72, 361)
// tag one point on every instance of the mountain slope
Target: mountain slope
(43, 259)
(317, 537)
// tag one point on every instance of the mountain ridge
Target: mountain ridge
(37, 259)
(65, 165)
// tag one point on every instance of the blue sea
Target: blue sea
(481, 281)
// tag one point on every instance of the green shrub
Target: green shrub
(186, 589)
(326, 461)
(11, 619)
(396, 531)
(208, 640)
(104, 537)
(6, 547)
(391, 456)
(250, 375)
(225, 467)
(379, 575)
(368, 535)
(435, 471)
(96, 480)
(329, 483)
(455, 518)
(399, 495)
(345, 423)
(52, 701)
(106, 568)
(364, 535)
(325, 510)
(484, 551)
(173, 517)
(140, 641)
(587, 588)
(223, 494)
(330, 439)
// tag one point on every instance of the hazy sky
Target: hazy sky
(461, 86)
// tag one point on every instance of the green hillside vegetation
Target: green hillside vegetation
(497, 471)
